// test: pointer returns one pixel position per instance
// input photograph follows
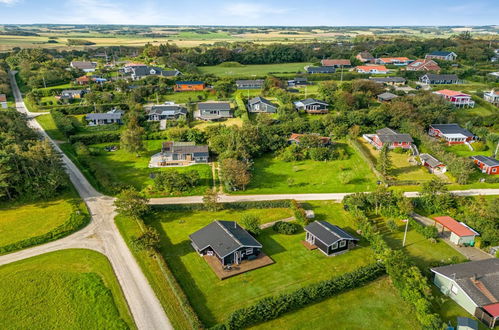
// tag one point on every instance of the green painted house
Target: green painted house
(474, 286)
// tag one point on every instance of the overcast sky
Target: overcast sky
(256, 12)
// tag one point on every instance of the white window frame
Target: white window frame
(248, 251)
(454, 289)
(334, 246)
(343, 243)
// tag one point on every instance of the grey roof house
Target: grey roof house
(442, 55)
(69, 94)
(297, 82)
(111, 117)
(140, 71)
(328, 238)
(473, 285)
(260, 104)
(250, 84)
(389, 80)
(433, 164)
(386, 97)
(167, 111)
(180, 154)
(84, 66)
(312, 106)
(320, 69)
(213, 110)
(435, 79)
(227, 241)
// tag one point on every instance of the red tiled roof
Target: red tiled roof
(454, 226)
(492, 309)
(135, 64)
(392, 59)
(371, 67)
(448, 92)
(3, 98)
(328, 62)
(83, 78)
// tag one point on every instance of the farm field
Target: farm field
(294, 266)
(371, 304)
(258, 70)
(126, 169)
(70, 289)
(273, 176)
(19, 221)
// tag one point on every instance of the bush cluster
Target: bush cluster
(429, 232)
(97, 137)
(299, 213)
(228, 206)
(274, 306)
(287, 228)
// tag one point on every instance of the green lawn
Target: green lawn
(48, 124)
(402, 169)
(273, 176)
(19, 221)
(371, 306)
(254, 69)
(294, 267)
(127, 169)
(422, 251)
(70, 289)
(463, 151)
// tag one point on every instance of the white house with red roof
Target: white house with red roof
(393, 60)
(456, 98)
(460, 233)
(492, 97)
(372, 69)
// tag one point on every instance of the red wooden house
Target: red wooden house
(392, 138)
(452, 133)
(185, 86)
(488, 165)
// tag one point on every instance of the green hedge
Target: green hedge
(78, 219)
(286, 228)
(227, 206)
(426, 231)
(97, 137)
(272, 307)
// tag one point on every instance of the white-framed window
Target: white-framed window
(335, 246)
(249, 251)
(454, 289)
(343, 243)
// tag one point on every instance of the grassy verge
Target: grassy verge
(70, 289)
(48, 124)
(26, 224)
(160, 278)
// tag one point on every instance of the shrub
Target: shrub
(251, 223)
(63, 123)
(174, 181)
(228, 206)
(299, 213)
(97, 137)
(429, 232)
(392, 226)
(479, 146)
(286, 228)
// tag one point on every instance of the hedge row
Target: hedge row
(299, 213)
(272, 307)
(97, 137)
(83, 109)
(426, 231)
(227, 206)
(77, 220)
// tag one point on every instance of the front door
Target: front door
(310, 238)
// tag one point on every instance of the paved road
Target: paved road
(299, 197)
(103, 236)
(470, 252)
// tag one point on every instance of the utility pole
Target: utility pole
(341, 77)
(497, 149)
(405, 232)
(44, 84)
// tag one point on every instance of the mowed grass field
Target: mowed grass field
(48, 124)
(369, 307)
(273, 176)
(19, 221)
(128, 169)
(254, 69)
(294, 266)
(70, 289)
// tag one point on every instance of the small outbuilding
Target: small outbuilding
(328, 238)
(433, 164)
(465, 323)
(386, 97)
(460, 233)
